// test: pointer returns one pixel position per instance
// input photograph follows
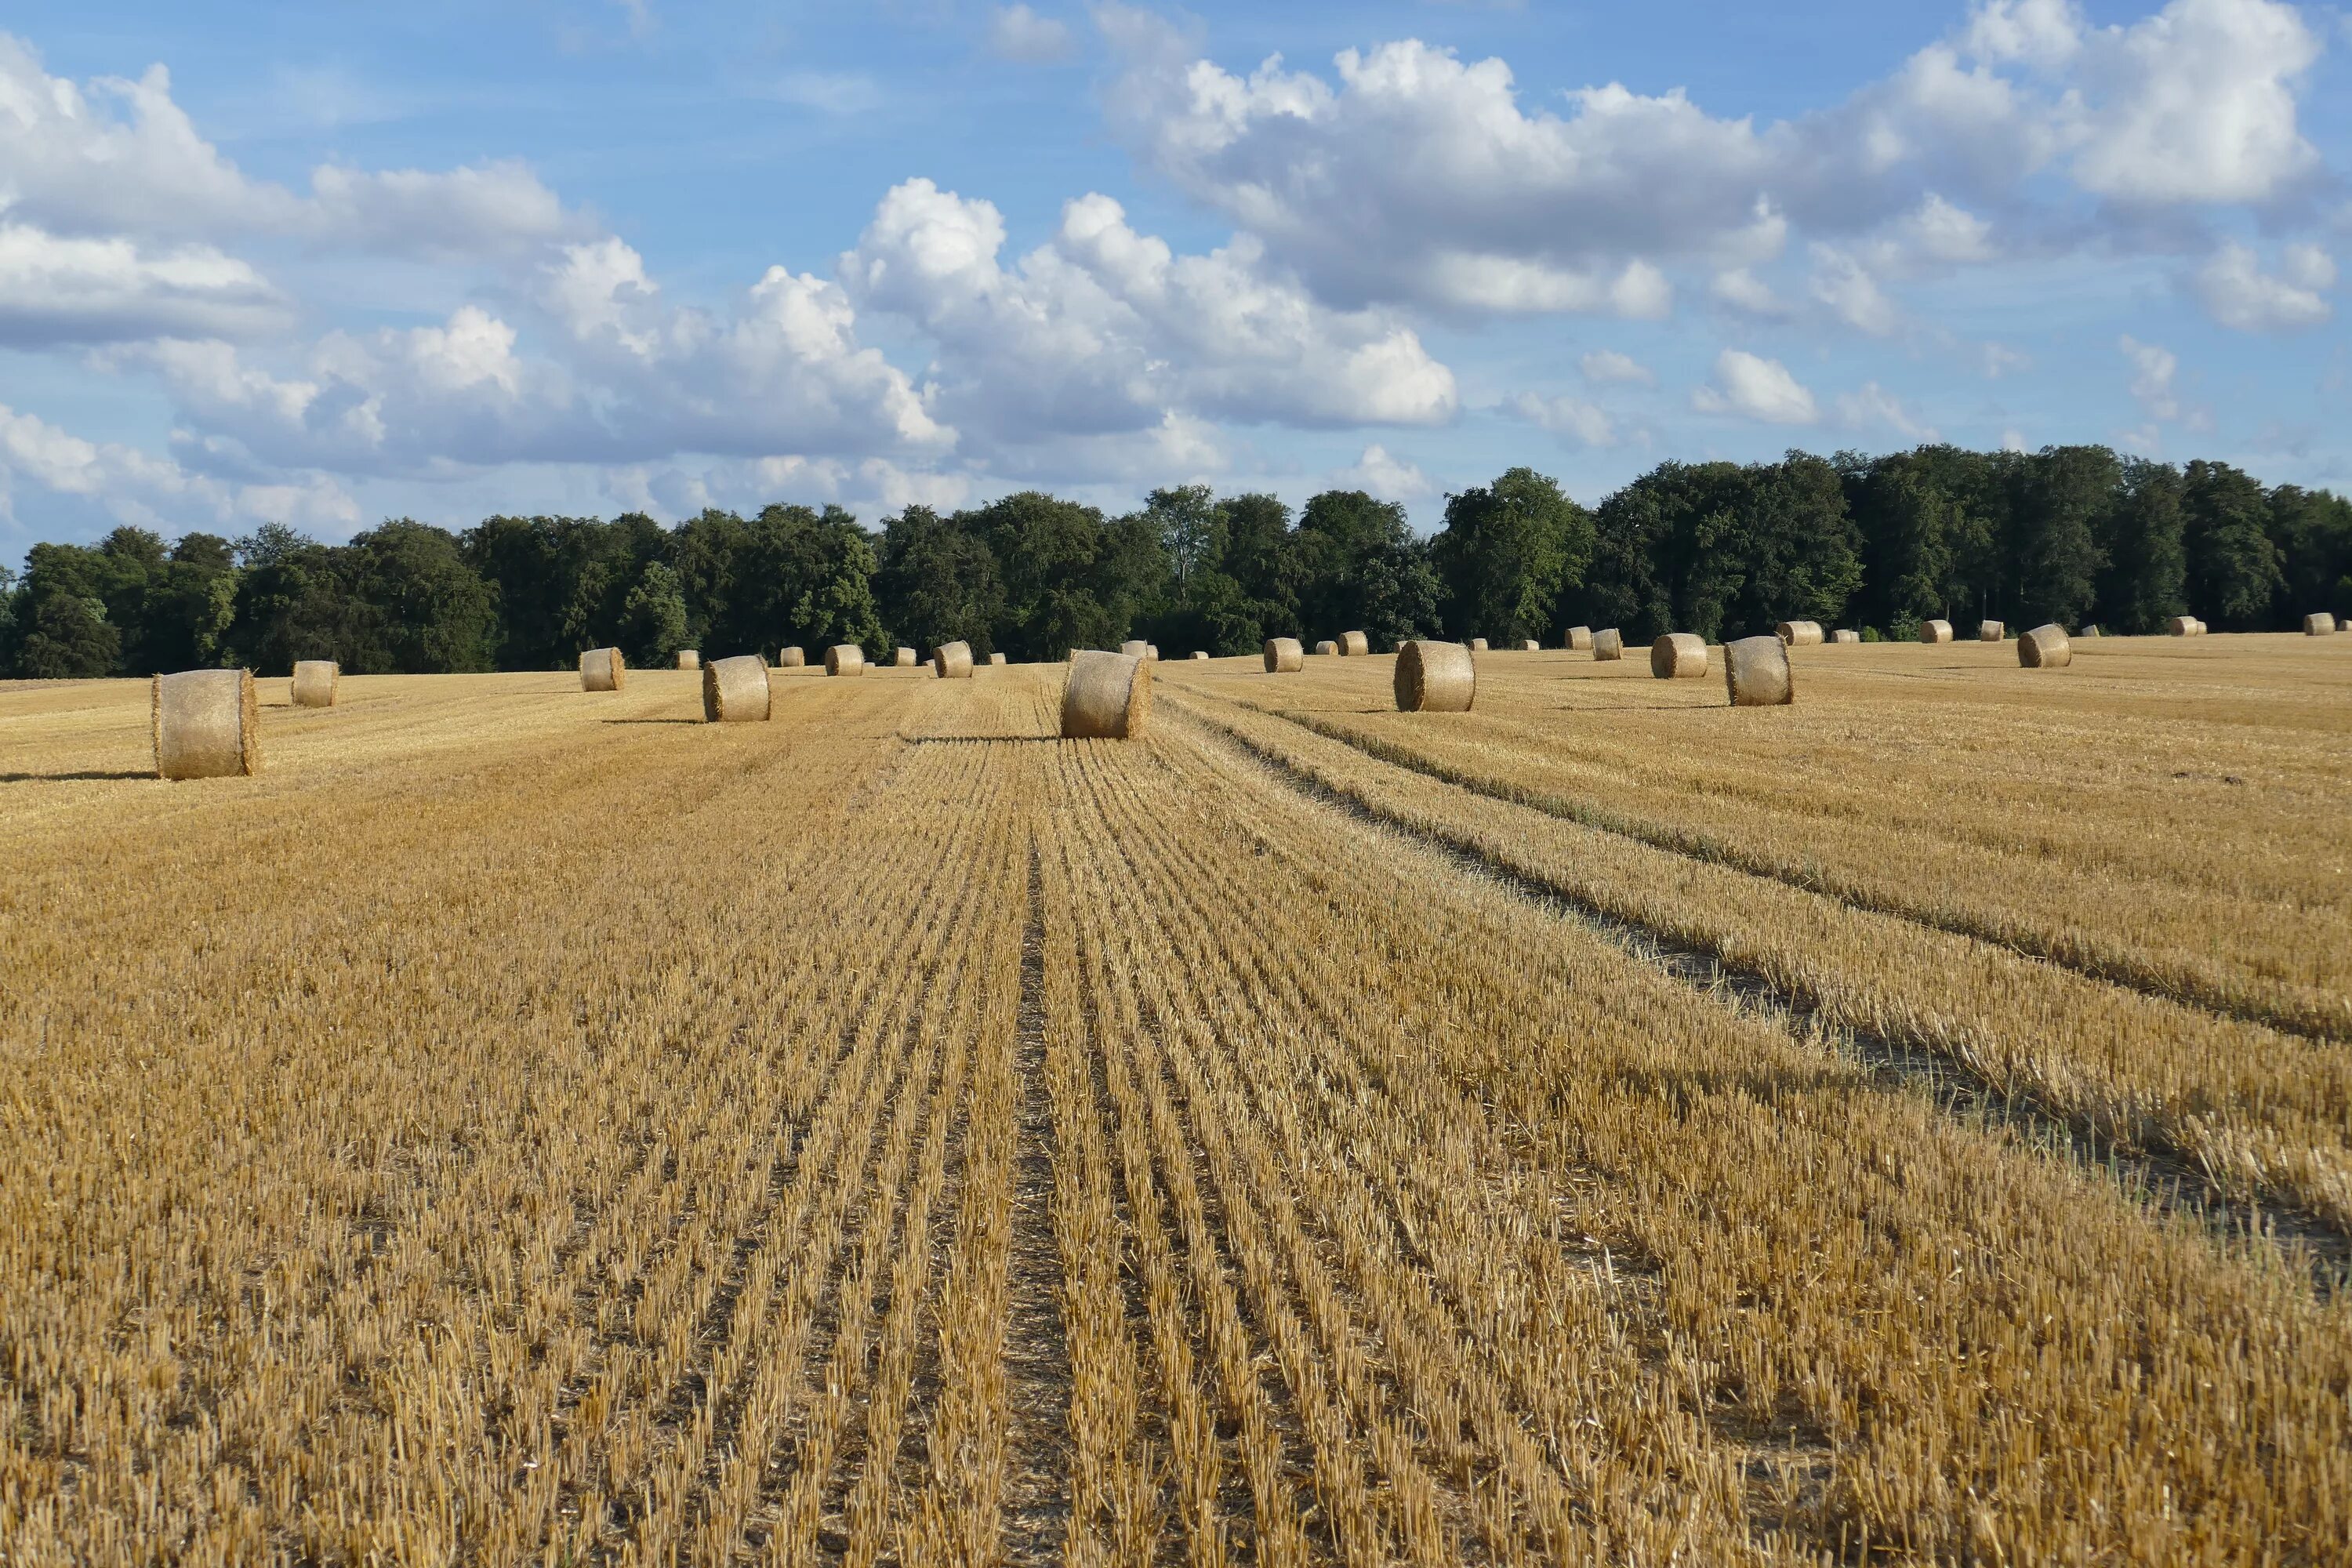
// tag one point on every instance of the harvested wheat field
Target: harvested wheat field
(516, 1125)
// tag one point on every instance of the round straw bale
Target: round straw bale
(1756, 672)
(2320, 625)
(1478, 645)
(995, 658)
(1679, 655)
(689, 658)
(1354, 645)
(844, 659)
(1609, 644)
(1843, 635)
(1934, 631)
(1434, 678)
(1107, 697)
(315, 681)
(1580, 639)
(953, 660)
(2181, 626)
(1134, 647)
(602, 670)
(1529, 645)
(1198, 653)
(2089, 632)
(206, 724)
(904, 658)
(2045, 648)
(735, 691)
(1284, 654)
(792, 658)
(1991, 631)
(1327, 649)
(1801, 634)
(1151, 652)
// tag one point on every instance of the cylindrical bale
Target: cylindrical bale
(1284, 654)
(1151, 652)
(1434, 678)
(905, 659)
(1801, 634)
(953, 660)
(1580, 639)
(1354, 645)
(1756, 672)
(1934, 631)
(315, 681)
(1843, 635)
(1529, 645)
(735, 691)
(2090, 632)
(1134, 647)
(844, 659)
(2045, 648)
(995, 658)
(1200, 653)
(1107, 697)
(1327, 649)
(602, 670)
(1478, 645)
(1679, 655)
(1609, 644)
(1991, 631)
(2181, 626)
(2321, 624)
(792, 658)
(206, 724)
(689, 658)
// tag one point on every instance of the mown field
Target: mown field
(525, 1126)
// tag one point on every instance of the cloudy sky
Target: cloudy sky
(325, 264)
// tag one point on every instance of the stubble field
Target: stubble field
(523, 1126)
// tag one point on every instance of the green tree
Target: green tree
(1055, 557)
(62, 631)
(2313, 530)
(1800, 554)
(2146, 563)
(1262, 559)
(2060, 498)
(937, 581)
(1507, 553)
(289, 602)
(653, 618)
(415, 604)
(1359, 568)
(2235, 573)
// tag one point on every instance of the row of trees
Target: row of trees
(2071, 534)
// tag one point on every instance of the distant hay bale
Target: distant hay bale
(953, 660)
(2183, 626)
(735, 691)
(904, 658)
(1529, 645)
(1354, 645)
(2089, 632)
(1843, 635)
(844, 659)
(792, 658)
(1580, 639)
(1801, 634)
(1934, 631)
(1151, 652)
(2320, 625)
(1135, 648)
(315, 681)
(1327, 649)
(1199, 653)
(1756, 672)
(1478, 645)
(2045, 648)
(206, 724)
(602, 670)
(1610, 644)
(1679, 655)
(1284, 654)
(1434, 678)
(1991, 631)
(689, 658)
(1107, 697)
(995, 658)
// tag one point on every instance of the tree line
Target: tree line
(2071, 534)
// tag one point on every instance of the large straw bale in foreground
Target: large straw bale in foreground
(1327, 649)
(315, 682)
(1756, 672)
(1580, 639)
(1801, 634)
(1843, 635)
(735, 691)
(1934, 631)
(2045, 648)
(1609, 644)
(1354, 645)
(844, 659)
(1434, 678)
(1679, 655)
(689, 658)
(1992, 631)
(602, 670)
(206, 724)
(1284, 654)
(1107, 697)
(953, 660)
(2320, 626)
(792, 658)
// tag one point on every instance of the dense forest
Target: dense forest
(2071, 534)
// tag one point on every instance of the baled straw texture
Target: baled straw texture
(1478, 645)
(689, 658)
(1756, 673)
(1435, 677)
(995, 658)
(1327, 649)
(315, 681)
(1801, 634)
(1134, 647)
(602, 670)
(2320, 625)
(1934, 631)
(1580, 639)
(953, 660)
(844, 659)
(1679, 655)
(2181, 626)
(735, 691)
(1529, 645)
(905, 659)
(1843, 635)
(1354, 645)
(2045, 648)
(206, 724)
(1284, 654)
(1992, 631)
(1200, 653)
(792, 658)
(1151, 652)
(1107, 698)
(1609, 644)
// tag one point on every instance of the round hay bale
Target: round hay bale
(1843, 635)
(735, 691)
(602, 670)
(792, 658)
(844, 659)
(2181, 626)
(689, 658)
(1134, 647)
(1151, 652)
(1934, 631)
(1991, 631)
(1756, 672)
(1580, 639)
(1198, 653)
(1434, 678)
(1529, 645)
(1478, 645)
(2089, 632)
(2045, 648)
(1679, 655)
(904, 658)
(206, 724)
(1354, 645)
(995, 658)
(953, 660)
(315, 681)
(1801, 634)
(2321, 624)
(1284, 654)
(1327, 649)
(1609, 644)
(1107, 697)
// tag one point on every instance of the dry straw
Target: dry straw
(1679, 655)
(2091, 631)
(1327, 649)
(2045, 648)
(1284, 654)
(1478, 645)
(735, 691)
(2320, 625)
(995, 658)
(1580, 639)
(1434, 678)
(1756, 672)
(1354, 645)
(602, 670)
(1151, 652)
(1529, 645)
(1198, 653)
(1107, 697)
(1934, 631)
(315, 682)
(844, 659)
(792, 658)
(1992, 631)
(1843, 635)
(206, 724)
(905, 659)
(1801, 634)
(689, 658)
(2184, 626)
(953, 660)
(1135, 648)
(1609, 644)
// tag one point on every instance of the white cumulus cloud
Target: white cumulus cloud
(2238, 294)
(1755, 388)
(1607, 367)
(1018, 33)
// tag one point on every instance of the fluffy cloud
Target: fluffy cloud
(2238, 293)
(1607, 367)
(1017, 33)
(1585, 424)
(1755, 388)
(56, 290)
(1874, 407)
(132, 486)
(2153, 368)
(1384, 476)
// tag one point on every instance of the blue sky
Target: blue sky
(327, 264)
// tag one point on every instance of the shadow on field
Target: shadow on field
(75, 778)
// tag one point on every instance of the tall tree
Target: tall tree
(62, 632)
(653, 617)
(1359, 568)
(1053, 556)
(2313, 530)
(2146, 564)
(2235, 574)
(937, 581)
(415, 604)
(1262, 559)
(1506, 551)
(2061, 497)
